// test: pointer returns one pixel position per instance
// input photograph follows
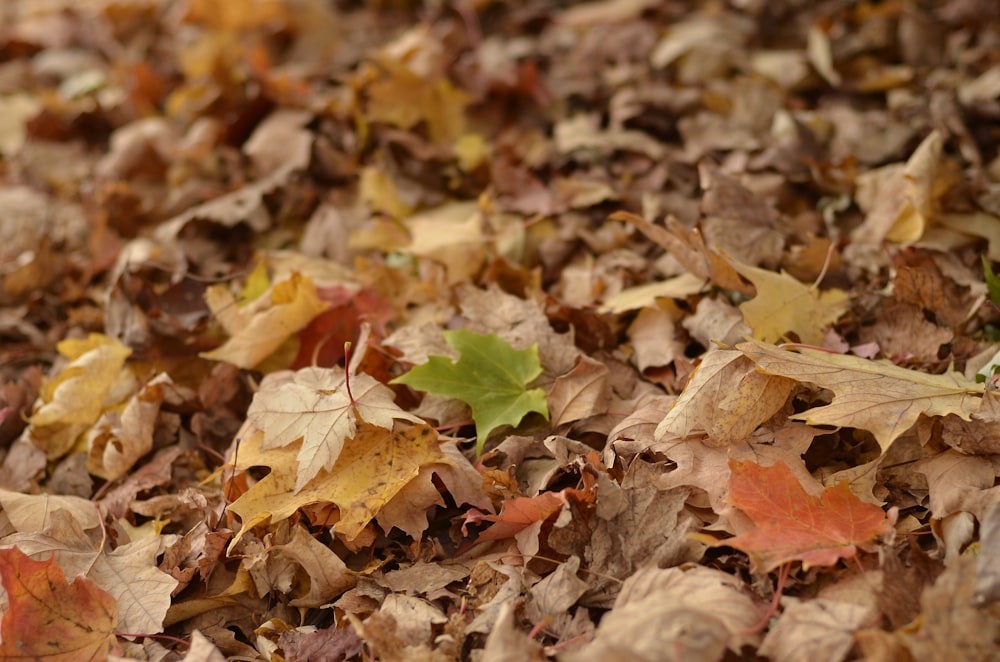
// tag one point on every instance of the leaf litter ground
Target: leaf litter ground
(484, 330)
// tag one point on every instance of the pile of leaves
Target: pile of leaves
(625, 329)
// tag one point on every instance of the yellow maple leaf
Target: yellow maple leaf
(784, 304)
(259, 328)
(726, 398)
(72, 401)
(373, 467)
(877, 396)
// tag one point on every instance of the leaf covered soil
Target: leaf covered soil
(478, 330)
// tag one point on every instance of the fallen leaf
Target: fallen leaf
(490, 376)
(258, 329)
(314, 405)
(876, 396)
(726, 399)
(374, 465)
(52, 619)
(783, 304)
(791, 525)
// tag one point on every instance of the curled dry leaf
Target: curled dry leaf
(876, 396)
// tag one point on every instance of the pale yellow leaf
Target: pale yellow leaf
(726, 398)
(257, 331)
(784, 304)
(877, 396)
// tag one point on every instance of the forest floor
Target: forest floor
(619, 330)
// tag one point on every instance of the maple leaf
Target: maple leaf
(313, 404)
(490, 376)
(374, 466)
(784, 304)
(50, 618)
(876, 396)
(792, 525)
(72, 401)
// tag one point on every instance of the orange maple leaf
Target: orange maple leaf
(792, 525)
(52, 619)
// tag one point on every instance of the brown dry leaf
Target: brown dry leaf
(328, 575)
(258, 329)
(685, 613)
(876, 396)
(783, 305)
(316, 406)
(120, 438)
(814, 629)
(726, 399)
(580, 393)
(451, 234)
(899, 199)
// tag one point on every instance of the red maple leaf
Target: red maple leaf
(792, 525)
(50, 618)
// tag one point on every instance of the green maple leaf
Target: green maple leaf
(490, 376)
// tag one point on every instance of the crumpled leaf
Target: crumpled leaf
(313, 404)
(876, 396)
(726, 398)
(258, 329)
(48, 618)
(120, 438)
(490, 376)
(95, 378)
(792, 525)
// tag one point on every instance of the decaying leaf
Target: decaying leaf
(726, 399)
(876, 396)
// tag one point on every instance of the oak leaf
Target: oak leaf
(490, 376)
(313, 404)
(52, 619)
(792, 525)
(726, 398)
(877, 396)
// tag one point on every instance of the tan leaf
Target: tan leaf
(328, 575)
(726, 398)
(580, 393)
(871, 395)
(120, 438)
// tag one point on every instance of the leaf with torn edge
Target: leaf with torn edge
(784, 304)
(490, 376)
(313, 404)
(876, 396)
(792, 525)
